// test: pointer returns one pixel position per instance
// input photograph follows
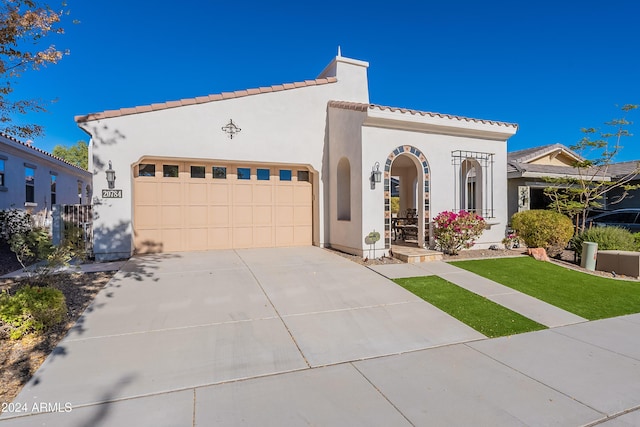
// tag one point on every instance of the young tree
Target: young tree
(23, 26)
(575, 196)
(76, 154)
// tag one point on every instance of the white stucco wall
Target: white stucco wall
(345, 136)
(13, 194)
(281, 127)
(379, 142)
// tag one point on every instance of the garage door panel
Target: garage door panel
(170, 216)
(302, 215)
(262, 215)
(219, 193)
(147, 192)
(302, 194)
(243, 237)
(147, 241)
(262, 237)
(284, 215)
(172, 239)
(243, 193)
(196, 215)
(262, 194)
(197, 194)
(197, 239)
(284, 194)
(242, 216)
(185, 213)
(220, 238)
(284, 236)
(302, 235)
(170, 192)
(219, 215)
(147, 217)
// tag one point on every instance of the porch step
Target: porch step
(412, 255)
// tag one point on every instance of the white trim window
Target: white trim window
(30, 184)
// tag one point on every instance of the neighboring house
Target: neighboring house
(286, 165)
(526, 170)
(616, 198)
(33, 179)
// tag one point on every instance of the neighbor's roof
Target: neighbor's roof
(358, 106)
(26, 146)
(621, 169)
(523, 156)
(202, 99)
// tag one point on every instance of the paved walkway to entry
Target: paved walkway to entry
(304, 337)
(540, 311)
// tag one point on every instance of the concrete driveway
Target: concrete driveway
(177, 321)
(304, 337)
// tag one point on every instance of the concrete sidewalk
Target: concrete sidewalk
(540, 311)
(90, 267)
(304, 337)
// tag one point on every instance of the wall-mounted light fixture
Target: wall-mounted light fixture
(376, 175)
(111, 176)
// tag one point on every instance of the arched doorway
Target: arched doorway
(407, 166)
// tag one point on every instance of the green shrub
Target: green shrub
(32, 310)
(543, 229)
(32, 246)
(607, 238)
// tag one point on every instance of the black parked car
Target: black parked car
(623, 218)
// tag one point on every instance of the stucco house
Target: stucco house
(32, 179)
(291, 164)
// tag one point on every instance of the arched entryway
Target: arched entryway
(409, 166)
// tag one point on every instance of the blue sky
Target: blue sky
(553, 67)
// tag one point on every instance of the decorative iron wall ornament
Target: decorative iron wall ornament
(231, 129)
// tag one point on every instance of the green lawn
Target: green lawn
(487, 317)
(588, 296)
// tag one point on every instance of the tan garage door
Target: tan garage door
(184, 206)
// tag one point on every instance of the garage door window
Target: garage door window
(146, 170)
(170, 171)
(244, 173)
(263, 174)
(197, 171)
(219, 172)
(303, 176)
(285, 175)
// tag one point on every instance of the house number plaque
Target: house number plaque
(112, 194)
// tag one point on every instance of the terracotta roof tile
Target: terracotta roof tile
(202, 99)
(39, 150)
(357, 106)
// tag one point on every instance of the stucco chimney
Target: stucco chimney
(352, 77)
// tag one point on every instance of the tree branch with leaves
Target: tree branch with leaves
(24, 24)
(574, 196)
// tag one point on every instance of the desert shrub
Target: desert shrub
(31, 246)
(455, 231)
(31, 310)
(543, 229)
(14, 221)
(607, 238)
(74, 240)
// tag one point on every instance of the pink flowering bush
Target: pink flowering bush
(455, 231)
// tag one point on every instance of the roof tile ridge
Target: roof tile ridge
(40, 150)
(203, 99)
